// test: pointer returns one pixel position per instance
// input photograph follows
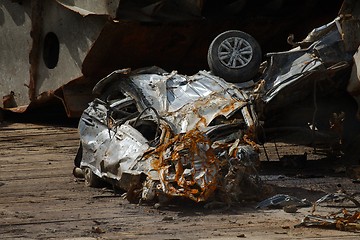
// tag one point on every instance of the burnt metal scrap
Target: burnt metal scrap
(160, 135)
(283, 200)
(339, 197)
(314, 62)
(343, 220)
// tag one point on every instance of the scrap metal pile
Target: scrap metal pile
(159, 135)
(343, 220)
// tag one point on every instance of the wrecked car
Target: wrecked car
(236, 57)
(159, 135)
(320, 61)
(300, 80)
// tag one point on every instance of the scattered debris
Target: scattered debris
(343, 220)
(283, 200)
(339, 197)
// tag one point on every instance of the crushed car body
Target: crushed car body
(160, 135)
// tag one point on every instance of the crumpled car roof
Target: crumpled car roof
(186, 102)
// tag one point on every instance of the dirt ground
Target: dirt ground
(40, 198)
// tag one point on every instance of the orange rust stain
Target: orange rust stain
(195, 190)
(247, 140)
(179, 171)
(201, 122)
(155, 163)
(228, 108)
(190, 188)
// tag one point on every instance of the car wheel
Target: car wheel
(91, 179)
(234, 56)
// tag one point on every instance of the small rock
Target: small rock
(290, 209)
(167, 219)
(97, 230)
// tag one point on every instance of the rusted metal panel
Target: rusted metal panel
(75, 96)
(43, 49)
(15, 45)
(36, 35)
(62, 29)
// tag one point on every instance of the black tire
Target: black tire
(234, 56)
